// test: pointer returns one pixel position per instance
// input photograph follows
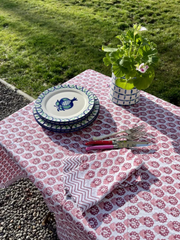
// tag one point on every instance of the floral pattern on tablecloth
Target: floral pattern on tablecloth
(92, 180)
(9, 170)
(149, 210)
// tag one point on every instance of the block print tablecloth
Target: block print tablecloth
(149, 210)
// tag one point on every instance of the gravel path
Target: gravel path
(22, 208)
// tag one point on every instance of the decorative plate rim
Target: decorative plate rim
(94, 115)
(87, 111)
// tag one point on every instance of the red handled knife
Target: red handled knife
(100, 142)
(118, 145)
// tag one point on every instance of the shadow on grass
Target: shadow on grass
(51, 46)
(56, 27)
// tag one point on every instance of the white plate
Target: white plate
(65, 103)
(56, 127)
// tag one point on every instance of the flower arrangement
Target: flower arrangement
(133, 61)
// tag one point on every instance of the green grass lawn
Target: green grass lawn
(46, 42)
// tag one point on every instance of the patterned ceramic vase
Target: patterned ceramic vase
(121, 96)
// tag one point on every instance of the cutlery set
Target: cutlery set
(128, 140)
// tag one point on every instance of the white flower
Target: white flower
(142, 68)
(142, 29)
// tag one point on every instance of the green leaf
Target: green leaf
(108, 49)
(130, 35)
(120, 37)
(152, 59)
(118, 70)
(125, 62)
(116, 56)
(131, 74)
(143, 80)
(148, 50)
(124, 84)
(138, 39)
(140, 51)
(107, 60)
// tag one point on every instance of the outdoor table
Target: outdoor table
(148, 210)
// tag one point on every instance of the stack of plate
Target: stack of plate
(66, 108)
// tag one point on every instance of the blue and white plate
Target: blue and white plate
(64, 104)
(66, 128)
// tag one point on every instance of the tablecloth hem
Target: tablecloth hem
(8, 183)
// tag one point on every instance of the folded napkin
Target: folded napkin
(88, 180)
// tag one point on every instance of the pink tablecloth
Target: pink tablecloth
(149, 210)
